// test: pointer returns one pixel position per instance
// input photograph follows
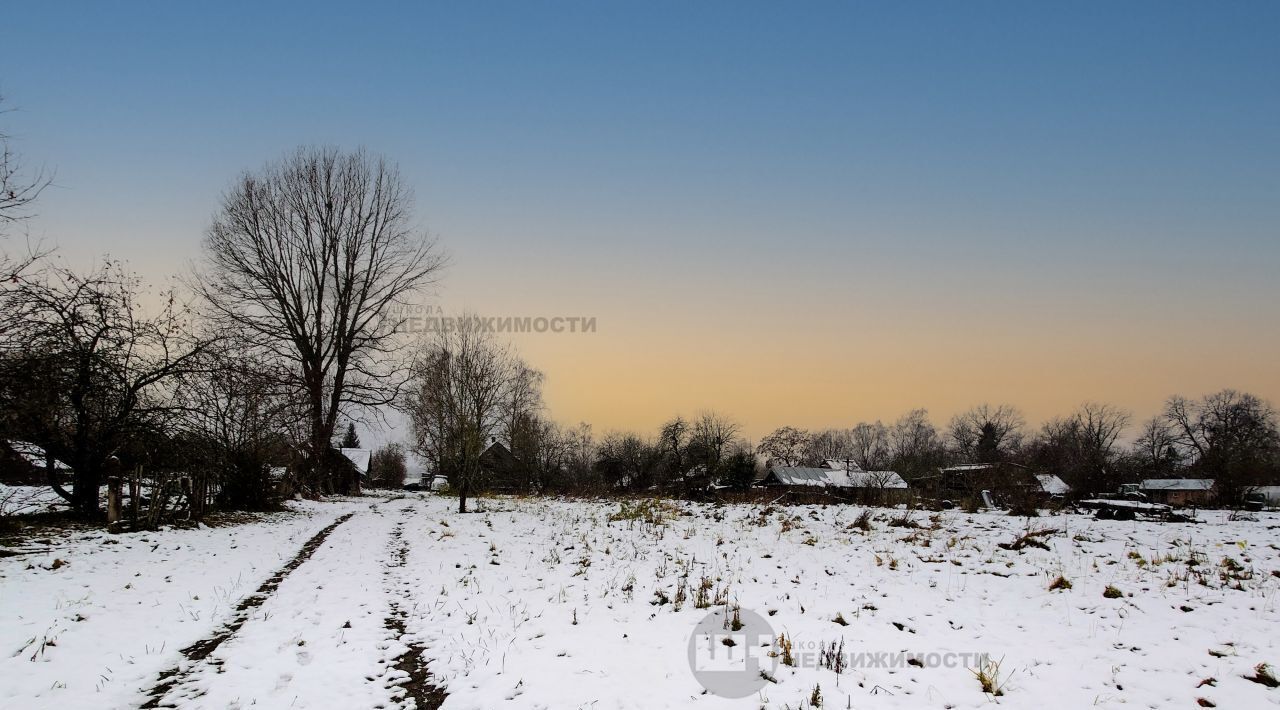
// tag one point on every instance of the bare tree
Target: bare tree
(1229, 436)
(1156, 447)
(709, 441)
(829, 444)
(549, 456)
(986, 433)
(314, 258)
(521, 425)
(786, 446)
(870, 445)
(241, 423)
(18, 187)
(914, 444)
(674, 443)
(461, 381)
(1081, 448)
(18, 192)
(626, 461)
(86, 371)
(1101, 426)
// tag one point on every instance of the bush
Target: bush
(388, 467)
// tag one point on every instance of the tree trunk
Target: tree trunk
(51, 471)
(85, 491)
(462, 496)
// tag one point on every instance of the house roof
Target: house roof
(868, 479)
(967, 467)
(1053, 485)
(827, 478)
(358, 458)
(1177, 484)
(799, 475)
(35, 455)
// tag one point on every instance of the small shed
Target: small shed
(1179, 491)
(358, 465)
(359, 459)
(1051, 485)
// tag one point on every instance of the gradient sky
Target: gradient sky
(805, 214)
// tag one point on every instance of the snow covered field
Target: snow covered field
(537, 603)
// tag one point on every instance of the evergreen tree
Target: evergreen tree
(350, 440)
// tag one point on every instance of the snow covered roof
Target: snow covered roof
(358, 458)
(799, 476)
(824, 478)
(967, 467)
(867, 479)
(1053, 485)
(35, 455)
(1177, 484)
(841, 465)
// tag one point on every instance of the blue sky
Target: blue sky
(910, 177)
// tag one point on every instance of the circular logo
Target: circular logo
(730, 652)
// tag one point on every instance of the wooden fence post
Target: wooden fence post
(113, 500)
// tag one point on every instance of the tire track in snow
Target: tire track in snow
(201, 650)
(418, 684)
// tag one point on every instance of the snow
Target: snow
(25, 500)
(545, 603)
(93, 618)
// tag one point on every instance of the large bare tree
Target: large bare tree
(315, 258)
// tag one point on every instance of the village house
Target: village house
(1178, 491)
(845, 479)
(1003, 481)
